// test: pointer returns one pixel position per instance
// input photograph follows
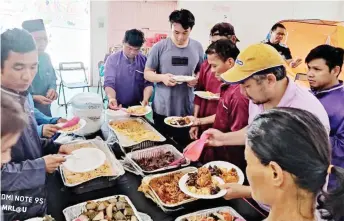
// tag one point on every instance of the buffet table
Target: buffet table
(128, 185)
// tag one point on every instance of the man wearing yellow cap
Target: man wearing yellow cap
(262, 73)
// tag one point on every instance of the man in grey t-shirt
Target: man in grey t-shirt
(177, 55)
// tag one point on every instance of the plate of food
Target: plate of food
(113, 208)
(178, 122)
(183, 78)
(72, 129)
(207, 95)
(224, 213)
(84, 160)
(202, 185)
(139, 110)
(228, 172)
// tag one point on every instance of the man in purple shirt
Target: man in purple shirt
(324, 66)
(124, 82)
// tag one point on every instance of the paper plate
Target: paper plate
(168, 119)
(84, 160)
(206, 95)
(148, 110)
(227, 165)
(183, 78)
(82, 123)
(184, 189)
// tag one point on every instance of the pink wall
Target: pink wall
(149, 16)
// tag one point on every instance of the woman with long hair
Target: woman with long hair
(288, 163)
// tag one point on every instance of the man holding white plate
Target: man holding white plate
(232, 109)
(174, 56)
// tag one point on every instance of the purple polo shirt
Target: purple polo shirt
(332, 100)
(126, 78)
(296, 97)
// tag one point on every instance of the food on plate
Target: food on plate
(72, 128)
(167, 188)
(227, 175)
(114, 209)
(137, 110)
(134, 130)
(179, 121)
(202, 182)
(161, 160)
(75, 178)
(215, 216)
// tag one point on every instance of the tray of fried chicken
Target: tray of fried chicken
(164, 190)
(111, 167)
(156, 159)
(113, 208)
(225, 213)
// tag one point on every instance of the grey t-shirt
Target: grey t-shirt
(165, 57)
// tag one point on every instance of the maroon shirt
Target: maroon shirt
(231, 115)
(207, 82)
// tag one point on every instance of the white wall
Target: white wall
(99, 45)
(253, 19)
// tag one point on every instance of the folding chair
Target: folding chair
(76, 83)
(101, 75)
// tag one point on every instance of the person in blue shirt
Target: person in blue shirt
(43, 87)
(46, 126)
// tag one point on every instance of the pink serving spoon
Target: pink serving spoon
(72, 122)
(194, 150)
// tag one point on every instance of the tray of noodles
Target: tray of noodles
(111, 168)
(164, 188)
(133, 131)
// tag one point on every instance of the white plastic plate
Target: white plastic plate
(183, 78)
(168, 119)
(205, 95)
(228, 166)
(148, 110)
(84, 160)
(183, 187)
(82, 123)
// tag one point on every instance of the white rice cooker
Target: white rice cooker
(88, 106)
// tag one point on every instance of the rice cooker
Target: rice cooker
(88, 106)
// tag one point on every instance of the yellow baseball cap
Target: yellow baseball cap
(255, 58)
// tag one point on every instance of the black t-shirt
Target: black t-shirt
(282, 49)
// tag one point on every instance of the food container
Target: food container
(155, 152)
(73, 212)
(112, 114)
(88, 106)
(155, 197)
(97, 143)
(207, 212)
(125, 141)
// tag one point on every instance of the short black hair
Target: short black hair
(333, 56)
(277, 25)
(16, 40)
(134, 38)
(298, 142)
(183, 17)
(224, 48)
